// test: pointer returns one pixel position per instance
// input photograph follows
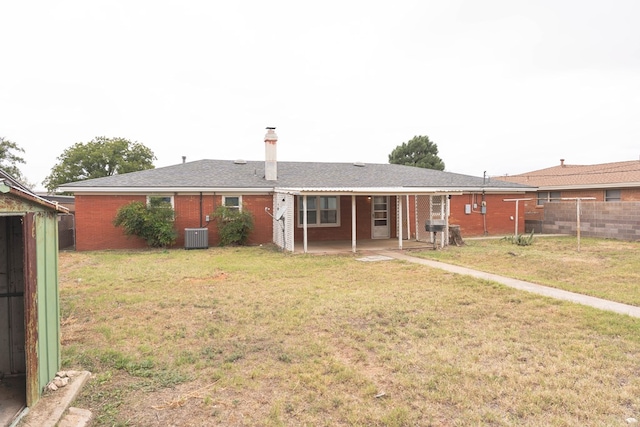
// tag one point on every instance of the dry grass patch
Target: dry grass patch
(608, 269)
(255, 337)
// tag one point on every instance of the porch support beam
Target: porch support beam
(408, 219)
(304, 223)
(399, 204)
(446, 209)
(444, 200)
(353, 224)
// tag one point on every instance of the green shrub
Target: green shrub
(152, 222)
(520, 239)
(234, 225)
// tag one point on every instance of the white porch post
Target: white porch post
(415, 211)
(431, 240)
(408, 219)
(353, 223)
(445, 211)
(399, 203)
(304, 223)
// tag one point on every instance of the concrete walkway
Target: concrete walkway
(599, 303)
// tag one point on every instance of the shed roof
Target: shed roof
(9, 184)
(565, 176)
(228, 175)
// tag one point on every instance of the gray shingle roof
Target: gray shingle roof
(220, 174)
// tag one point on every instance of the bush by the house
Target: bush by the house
(234, 225)
(153, 222)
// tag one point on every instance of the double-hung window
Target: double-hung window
(322, 211)
(548, 196)
(161, 202)
(232, 202)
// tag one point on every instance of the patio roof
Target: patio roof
(294, 177)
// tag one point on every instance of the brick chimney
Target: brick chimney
(270, 162)
(562, 162)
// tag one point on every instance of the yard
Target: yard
(252, 336)
(602, 268)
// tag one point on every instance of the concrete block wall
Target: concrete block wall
(613, 220)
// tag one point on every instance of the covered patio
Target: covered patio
(363, 246)
(374, 219)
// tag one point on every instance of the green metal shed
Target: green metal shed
(29, 300)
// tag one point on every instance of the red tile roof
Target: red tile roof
(604, 175)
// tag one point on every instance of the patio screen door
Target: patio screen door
(380, 217)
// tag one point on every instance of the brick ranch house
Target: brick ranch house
(613, 185)
(297, 203)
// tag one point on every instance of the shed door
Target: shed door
(380, 217)
(12, 333)
(12, 319)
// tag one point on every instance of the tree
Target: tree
(9, 159)
(420, 152)
(152, 222)
(98, 158)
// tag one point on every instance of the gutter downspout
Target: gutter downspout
(200, 210)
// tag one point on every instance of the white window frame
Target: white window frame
(238, 207)
(546, 196)
(317, 210)
(164, 196)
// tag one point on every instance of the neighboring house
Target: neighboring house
(66, 223)
(29, 302)
(293, 203)
(605, 182)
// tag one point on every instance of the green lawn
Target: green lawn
(608, 269)
(252, 336)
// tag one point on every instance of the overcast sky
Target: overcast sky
(501, 86)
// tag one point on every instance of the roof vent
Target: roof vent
(358, 164)
(240, 162)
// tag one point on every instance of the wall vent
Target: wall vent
(196, 238)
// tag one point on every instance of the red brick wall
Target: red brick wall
(95, 231)
(262, 222)
(95, 214)
(94, 223)
(630, 195)
(497, 219)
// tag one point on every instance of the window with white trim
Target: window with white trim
(322, 211)
(232, 202)
(612, 196)
(167, 201)
(548, 196)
